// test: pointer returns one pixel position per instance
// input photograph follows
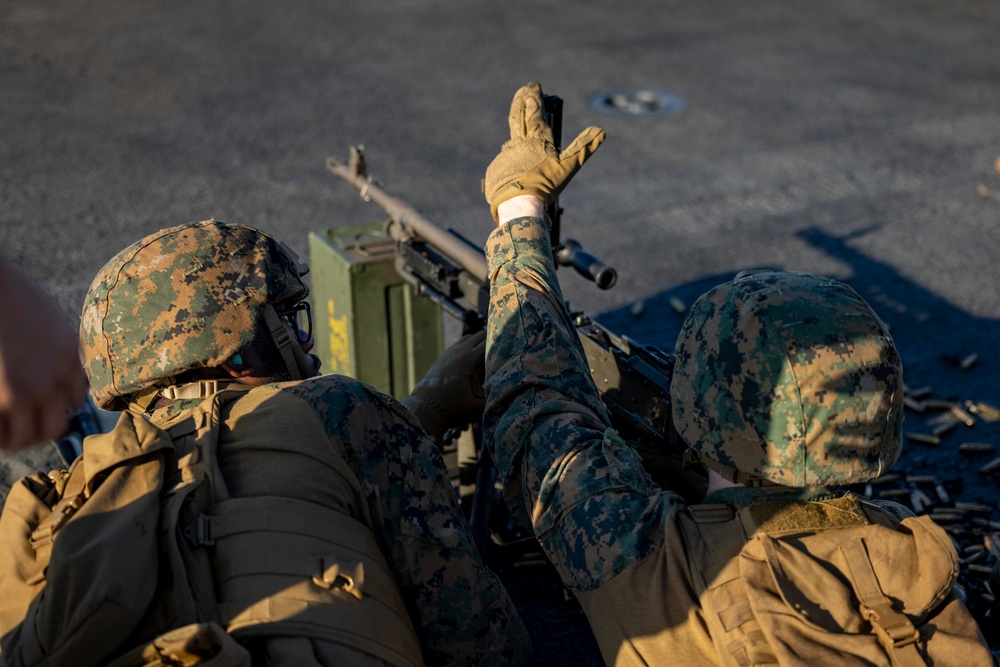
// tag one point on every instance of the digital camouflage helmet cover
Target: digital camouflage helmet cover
(182, 298)
(789, 377)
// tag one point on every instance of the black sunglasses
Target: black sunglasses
(300, 317)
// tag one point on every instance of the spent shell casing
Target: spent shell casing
(947, 515)
(938, 405)
(924, 438)
(638, 307)
(885, 479)
(973, 507)
(943, 429)
(974, 548)
(985, 410)
(962, 416)
(921, 479)
(924, 498)
(942, 493)
(893, 493)
(975, 447)
(913, 404)
(922, 392)
(679, 306)
(977, 556)
(981, 569)
(968, 361)
(916, 503)
(868, 490)
(991, 466)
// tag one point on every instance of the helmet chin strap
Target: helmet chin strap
(282, 339)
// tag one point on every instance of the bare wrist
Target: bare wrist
(522, 206)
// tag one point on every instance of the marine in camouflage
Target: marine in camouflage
(592, 505)
(185, 297)
(790, 377)
(192, 296)
(787, 377)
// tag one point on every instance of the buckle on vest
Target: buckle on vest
(199, 532)
(893, 629)
(350, 577)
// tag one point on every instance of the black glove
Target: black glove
(451, 395)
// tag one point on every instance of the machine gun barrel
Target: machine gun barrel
(588, 266)
(411, 224)
(409, 219)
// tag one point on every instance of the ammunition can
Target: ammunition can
(369, 323)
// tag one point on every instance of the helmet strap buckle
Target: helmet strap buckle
(282, 339)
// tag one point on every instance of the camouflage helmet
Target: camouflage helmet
(182, 298)
(788, 377)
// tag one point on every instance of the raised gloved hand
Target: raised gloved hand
(528, 164)
(451, 395)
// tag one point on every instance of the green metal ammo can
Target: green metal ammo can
(369, 323)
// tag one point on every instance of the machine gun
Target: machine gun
(451, 271)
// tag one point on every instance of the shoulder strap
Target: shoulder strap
(194, 484)
(894, 630)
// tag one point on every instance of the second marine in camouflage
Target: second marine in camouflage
(784, 384)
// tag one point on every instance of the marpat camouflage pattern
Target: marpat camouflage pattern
(585, 490)
(180, 298)
(791, 377)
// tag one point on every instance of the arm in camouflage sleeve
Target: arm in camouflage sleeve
(592, 506)
(461, 611)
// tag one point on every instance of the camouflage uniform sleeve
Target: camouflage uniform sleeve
(460, 609)
(592, 505)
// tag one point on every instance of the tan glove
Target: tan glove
(528, 164)
(451, 395)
